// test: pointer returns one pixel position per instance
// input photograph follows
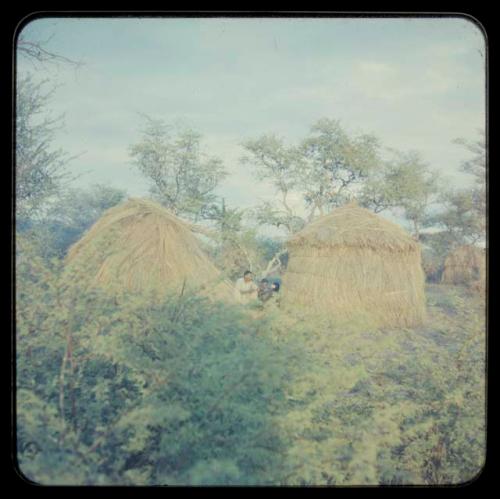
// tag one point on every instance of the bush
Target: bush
(390, 406)
(128, 391)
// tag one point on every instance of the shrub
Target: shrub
(128, 391)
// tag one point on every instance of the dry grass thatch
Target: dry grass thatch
(140, 246)
(465, 265)
(353, 262)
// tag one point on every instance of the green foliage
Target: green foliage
(181, 176)
(336, 163)
(238, 248)
(326, 168)
(268, 247)
(279, 164)
(404, 183)
(127, 391)
(460, 218)
(391, 406)
(463, 213)
(69, 215)
(268, 213)
(434, 251)
(274, 161)
(130, 391)
(476, 164)
(234, 247)
(40, 166)
(330, 166)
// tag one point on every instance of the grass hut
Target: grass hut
(141, 247)
(352, 262)
(465, 265)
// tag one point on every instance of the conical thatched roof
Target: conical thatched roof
(140, 246)
(352, 225)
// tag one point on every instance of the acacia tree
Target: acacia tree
(462, 219)
(39, 166)
(325, 169)
(182, 177)
(278, 164)
(404, 184)
(474, 197)
(335, 164)
(475, 165)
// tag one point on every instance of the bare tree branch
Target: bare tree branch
(36, 52)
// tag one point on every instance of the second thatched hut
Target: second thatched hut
(465, 265)
(141, 247)
(353, 262)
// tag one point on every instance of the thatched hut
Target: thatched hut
(352, 262)
(465, 265)
(141, 247)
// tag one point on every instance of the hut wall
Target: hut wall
(387, 286)
(465, 265)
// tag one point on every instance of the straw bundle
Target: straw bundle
(353, 262)
(465, 265)
(141, 247)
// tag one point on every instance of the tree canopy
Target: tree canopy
(182, 177)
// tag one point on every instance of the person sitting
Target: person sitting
(245, 288)
(265, 291)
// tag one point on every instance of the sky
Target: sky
(415, 83)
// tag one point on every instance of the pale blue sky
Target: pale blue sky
(415, 83)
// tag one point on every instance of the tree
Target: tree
(40, 167)
(228, 221)
(462, 217)
(335, 164)
(325, 169)
(404, 183)
(459, 218)
(73, 212)
(476, 166)
(278, 164)
(269, 214)
(378, 193)
(230, 252)
(182, 177)
(36, 52)
(237, 246)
